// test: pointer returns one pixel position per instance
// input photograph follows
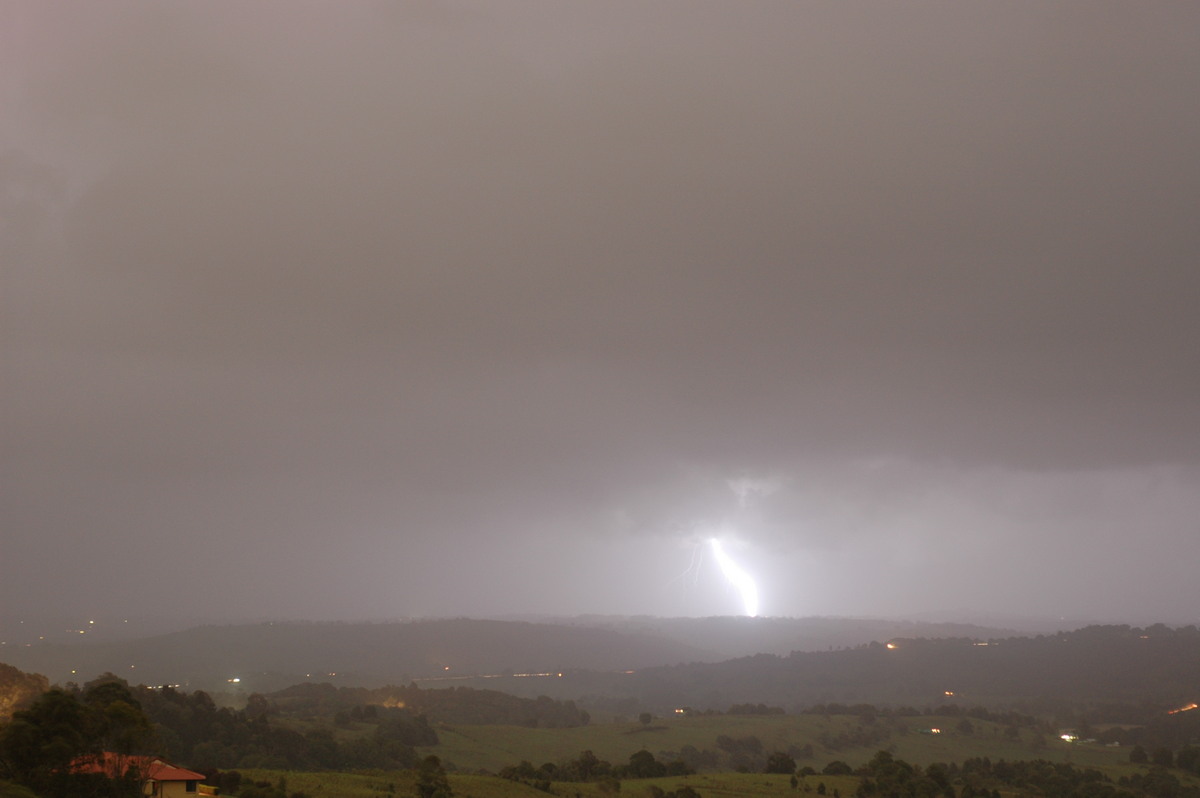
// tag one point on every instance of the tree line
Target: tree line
(1114, 665)
(447, 705)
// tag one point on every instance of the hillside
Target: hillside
(627, 669)
(268, 656)
(1102, 664)
(273, 655)
(736, 636)
(1116, 665)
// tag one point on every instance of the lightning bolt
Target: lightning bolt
(693, 568)
(737, 577)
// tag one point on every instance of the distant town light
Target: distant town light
(892, 645)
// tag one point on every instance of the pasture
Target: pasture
(401, 783)
(471, 748)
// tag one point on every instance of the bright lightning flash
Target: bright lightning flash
(737, 577)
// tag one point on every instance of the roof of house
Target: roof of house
(151, 767)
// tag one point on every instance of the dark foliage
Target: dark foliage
(18, 690)
(450, 705)
(754, 709)
(1120, 665)
(587, 767)
(780, 762)
(886, 776)
(431, 779)
(194, 730)
(1061, 779)
(44, 747)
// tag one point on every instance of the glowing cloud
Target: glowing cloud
(737, 577)
(747, 488)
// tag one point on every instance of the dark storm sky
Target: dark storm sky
(365, 310)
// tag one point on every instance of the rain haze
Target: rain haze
(379, 310)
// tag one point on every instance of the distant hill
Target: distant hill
(660, 663)
(1157, 666)
(732, 636)
(270, 656)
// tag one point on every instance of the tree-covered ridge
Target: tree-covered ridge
(282, 654)
(314, 727)
(64, 725)
(446, 705)
(1041, 777)
(309, 726)
(1114, 664)
(108, 715)
(886, 776)
(193, 729)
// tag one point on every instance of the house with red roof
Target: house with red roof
(160, 779)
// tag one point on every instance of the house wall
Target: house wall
(173, 789)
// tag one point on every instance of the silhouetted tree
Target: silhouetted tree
(643, 765)
(1163, 757)
(779, 762)
(1188, 758)
(431, 779)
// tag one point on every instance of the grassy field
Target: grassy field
(493, 747)
(470, 748)
(749, 784)
(708, 785)
(400, 783)
(383, 784)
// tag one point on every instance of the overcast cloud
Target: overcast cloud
(348, 310)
